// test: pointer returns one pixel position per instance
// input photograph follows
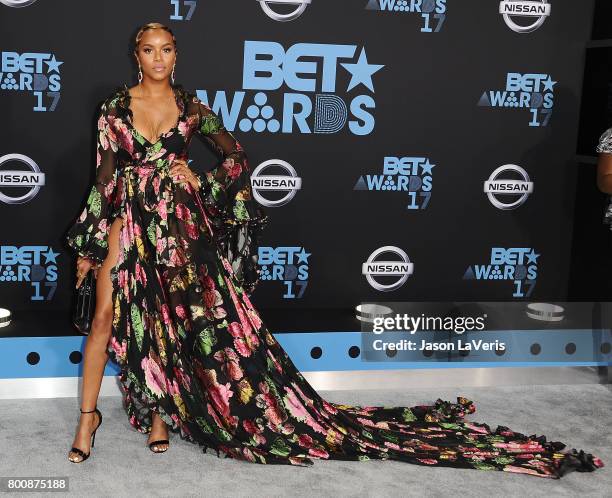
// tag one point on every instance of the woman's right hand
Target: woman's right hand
(83, 266)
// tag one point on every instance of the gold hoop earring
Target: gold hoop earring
(172, 75)
(139, 74)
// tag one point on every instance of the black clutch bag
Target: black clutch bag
(85, 303)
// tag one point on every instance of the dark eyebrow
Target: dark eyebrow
(148, 44)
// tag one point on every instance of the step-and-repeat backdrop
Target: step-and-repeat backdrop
(405, 149)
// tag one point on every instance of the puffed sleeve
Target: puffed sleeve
(605, 142)
(237, 218)
(89, 234)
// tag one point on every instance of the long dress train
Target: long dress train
(191, 345)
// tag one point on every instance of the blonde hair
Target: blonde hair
(153, 25)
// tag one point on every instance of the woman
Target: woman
(173, 311)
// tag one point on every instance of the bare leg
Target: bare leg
(96, 357)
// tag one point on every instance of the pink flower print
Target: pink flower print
(366, 421)
(160, 153)
(137, 230)
(245, 341)
(272, 411)
(329, 407)
(218, 393)
(211, 298)
(192, 230)
(250, 426)
(120, 349)
(123, 282)
(393, 446)
(253, 317)
(162, 209)
(295, 407)
(83, 215)
(154, 376)
(141, 276)
(476, 428)
(173, 387)
(126, 139)
(305, 441)
(298, 410)
(180, 311)
(521, 470)
(276, 363)
(428, 461)
(184, 127)
(230, 363)
(318, 453)
(182, 212)
(232, 168)
(102, 229)
(183, 379)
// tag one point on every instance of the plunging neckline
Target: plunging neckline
(179, 103)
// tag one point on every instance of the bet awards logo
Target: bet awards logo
(287, 264)
(433, 12)
(17, 3)
(287, 184)
(36, 265)
(393, 272)
(26, 181)
(524, 16)
(411, 175)
(518, 264)
(298, 6)
(32, 71)
(290, 98)
(532, 91)
(498, 188)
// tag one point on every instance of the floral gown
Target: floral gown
(192, 347)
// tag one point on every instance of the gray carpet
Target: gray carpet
(35, 436)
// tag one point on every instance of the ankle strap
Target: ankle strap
(89, 411)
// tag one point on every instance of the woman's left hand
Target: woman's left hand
(181, 173)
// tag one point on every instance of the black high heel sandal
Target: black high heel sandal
(160, 441)
(93, 438)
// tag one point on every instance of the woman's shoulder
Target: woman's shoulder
(115, 100)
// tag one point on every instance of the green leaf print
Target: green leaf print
(152, 232)
(503, 460)
(407, 415)
(390, 437)
(364, 458)
(95, 202)
(273, 389)
(137, 324)
(240, 211)
(449, 425)
(279, 447)
(367, 434)
(204, 425)
(220, 280)
(207, 340)
(210, 124)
